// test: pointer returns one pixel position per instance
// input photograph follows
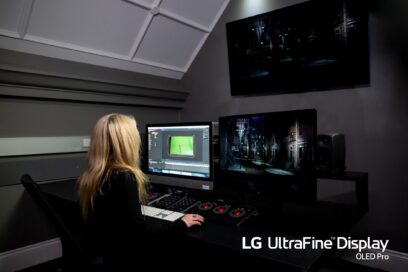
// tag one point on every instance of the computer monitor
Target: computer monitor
(180, 155)
(270, 152)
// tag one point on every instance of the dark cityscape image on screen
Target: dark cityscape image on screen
(274, 144)
(314, 45)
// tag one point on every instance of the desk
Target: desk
(323, 220)
(230, 238)
(361, 186)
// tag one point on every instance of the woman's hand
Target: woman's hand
(192, 220)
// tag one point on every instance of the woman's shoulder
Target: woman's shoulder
(120, 180)
(122, 175)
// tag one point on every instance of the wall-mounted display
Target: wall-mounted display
(311, 46)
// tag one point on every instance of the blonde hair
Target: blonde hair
(115, 145)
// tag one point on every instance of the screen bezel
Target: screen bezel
(264, 184)
(183, 181)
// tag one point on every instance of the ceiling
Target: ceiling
(158, 37)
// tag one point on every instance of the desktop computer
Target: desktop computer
(180, 156)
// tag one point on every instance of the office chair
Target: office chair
(74, 257)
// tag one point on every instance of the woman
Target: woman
(111, 191)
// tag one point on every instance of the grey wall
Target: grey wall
(21, 223)
(31, 118)
(373, 119)
(23, 117)
(45, 97)
(16, 61)
(36, 118)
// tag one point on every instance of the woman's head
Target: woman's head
(115, 141)
(115, 145)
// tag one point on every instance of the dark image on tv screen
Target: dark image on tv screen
(315, 45)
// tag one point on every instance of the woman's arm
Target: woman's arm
(124, 190)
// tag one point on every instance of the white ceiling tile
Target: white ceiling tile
(101, 25)
(148, 1)
(169, 42)
(10, 11)
(143, 2)
(200, 11)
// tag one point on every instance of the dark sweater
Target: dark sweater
(117, 230)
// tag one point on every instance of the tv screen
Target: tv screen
(315, 45)
(271, 147)
(181, 146)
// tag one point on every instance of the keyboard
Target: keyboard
(161, 213)
(176, 202)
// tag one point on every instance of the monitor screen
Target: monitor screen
(180, 155)
(303, 47)
(271, 147)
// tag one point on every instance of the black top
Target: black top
(117, 230)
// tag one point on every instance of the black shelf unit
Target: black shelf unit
(361, 186)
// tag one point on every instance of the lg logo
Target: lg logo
(254, 243)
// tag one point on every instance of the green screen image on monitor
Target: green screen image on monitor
(182, 146)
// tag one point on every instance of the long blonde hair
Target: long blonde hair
(115, 145)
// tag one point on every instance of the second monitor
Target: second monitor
(271, 152)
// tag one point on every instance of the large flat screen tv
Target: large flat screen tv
(311, 46)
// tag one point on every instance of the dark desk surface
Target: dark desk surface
(231, 238)
(300, 221)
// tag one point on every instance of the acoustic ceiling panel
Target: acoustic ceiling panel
(200, 11)
(147, 2)
(151, 36)
(10, 11)
(169, 43)
(96, 26)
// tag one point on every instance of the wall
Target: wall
(47, 118)
(37, 118)
(21, 223)
(373, 118)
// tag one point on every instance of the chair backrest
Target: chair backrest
(74, 256)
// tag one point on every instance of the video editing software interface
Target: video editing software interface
(180, 150)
